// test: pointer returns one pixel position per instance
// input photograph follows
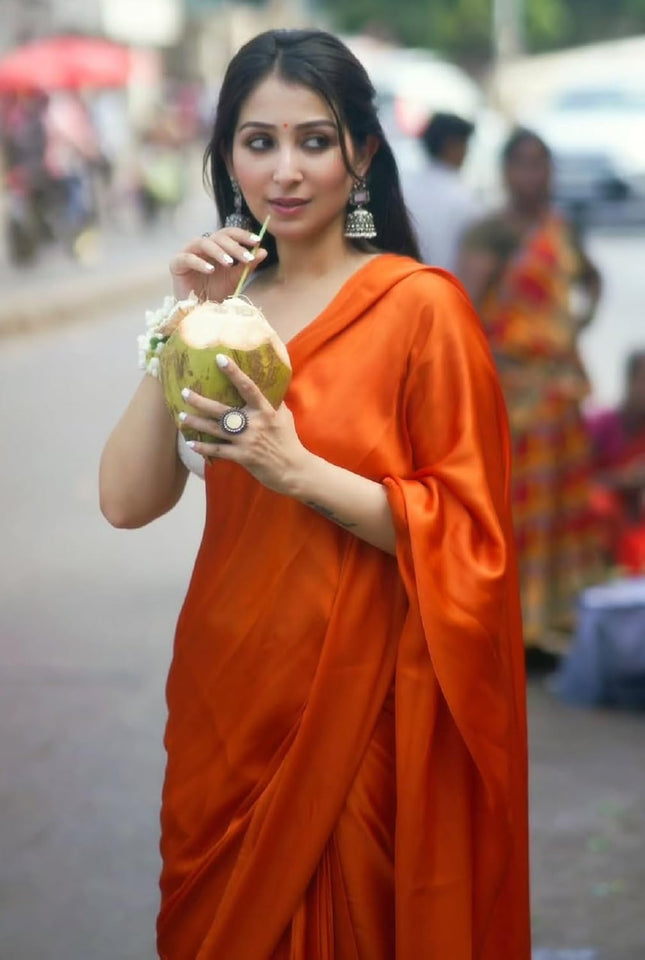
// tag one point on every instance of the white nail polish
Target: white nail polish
(227, 259)
(248, 256)
(183, 416)
(210, 267)
(185, 393)
(191, 444)
(254, 238)
(221, 360)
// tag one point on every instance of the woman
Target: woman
(346, 734)
(618, 441)
(535, 289)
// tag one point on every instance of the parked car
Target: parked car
(597, 135)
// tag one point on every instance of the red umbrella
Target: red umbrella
(65, 63)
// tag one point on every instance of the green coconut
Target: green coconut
(236, 328)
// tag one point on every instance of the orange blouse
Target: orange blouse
(346, 736)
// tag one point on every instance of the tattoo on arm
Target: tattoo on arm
(330, 515)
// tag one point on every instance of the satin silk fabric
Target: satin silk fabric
(346, 739)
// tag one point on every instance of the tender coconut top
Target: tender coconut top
(235, 323)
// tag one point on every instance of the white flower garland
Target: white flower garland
(160, 324)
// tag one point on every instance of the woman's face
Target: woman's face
(287, 160)
(528, 173)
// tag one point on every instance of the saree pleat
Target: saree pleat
(346, 774)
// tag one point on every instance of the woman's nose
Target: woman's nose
(287, 169)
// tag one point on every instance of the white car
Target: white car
(597, 135)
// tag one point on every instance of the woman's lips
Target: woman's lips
(287, 207)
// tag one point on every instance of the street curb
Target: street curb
(81, 296)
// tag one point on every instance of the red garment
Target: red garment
(533, 337)
(618, 501)
(346, 736)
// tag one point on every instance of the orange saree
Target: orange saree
(346, 775)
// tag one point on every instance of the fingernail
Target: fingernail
(248, 256)
(191, 444)
(210, 267)
(221, 360)
(183, 416)
(254, 238)
(227, 259)
(185, 394)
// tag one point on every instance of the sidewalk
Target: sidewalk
(130, 264)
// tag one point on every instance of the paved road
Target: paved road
(85, 630)
(85, 635)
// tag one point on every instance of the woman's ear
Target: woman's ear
(226, 157)
(366, 155)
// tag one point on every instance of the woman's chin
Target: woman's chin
(301, 231)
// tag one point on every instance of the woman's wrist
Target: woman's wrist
(300, 478)
(349, 500)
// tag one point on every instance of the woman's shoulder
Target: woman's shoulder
(494, 232)
(426, 285)
(429, 298)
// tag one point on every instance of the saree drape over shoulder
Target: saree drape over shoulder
(346, 738)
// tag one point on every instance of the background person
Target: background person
(347, 678)
(441, 204)
(618, 441)
(535, 289)
(72, 156)
(23, 142)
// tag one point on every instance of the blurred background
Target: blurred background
(105, 108)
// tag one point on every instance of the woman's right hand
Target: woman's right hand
(212, 265)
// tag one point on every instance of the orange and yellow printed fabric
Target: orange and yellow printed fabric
(533, 335)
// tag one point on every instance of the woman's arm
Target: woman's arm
(483, 253)
(590, 281)
(477, 269)
(270, 449)
(141, 476)
(353, 502)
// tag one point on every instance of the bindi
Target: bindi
(285, 126)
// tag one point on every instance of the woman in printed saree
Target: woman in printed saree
(535, 289)
(618, 441)
(346, 744)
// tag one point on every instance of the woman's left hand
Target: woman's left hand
(268, 447)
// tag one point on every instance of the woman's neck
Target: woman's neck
(527, 213)
(302, 262)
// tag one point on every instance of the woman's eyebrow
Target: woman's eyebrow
(260, 124)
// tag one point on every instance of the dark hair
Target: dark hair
(442, 128)
(319, 61)
(517, 138)
(633, 364)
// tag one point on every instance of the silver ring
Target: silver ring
(207, 233)
(234, 421)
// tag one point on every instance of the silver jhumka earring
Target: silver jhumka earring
(237, 218)
(360, 222)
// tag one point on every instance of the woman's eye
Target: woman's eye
(318, 142)
(259, 143)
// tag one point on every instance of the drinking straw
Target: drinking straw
(255, 249)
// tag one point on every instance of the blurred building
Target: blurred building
(156, 23)
(197, 37)
(215, 30)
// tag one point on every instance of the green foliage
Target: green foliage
(451, 25)
(547, 21)
(462, 28)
